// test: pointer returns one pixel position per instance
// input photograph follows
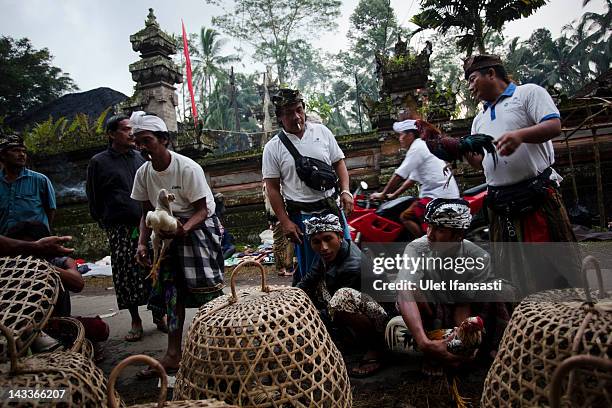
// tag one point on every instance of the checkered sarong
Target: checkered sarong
(201, 257)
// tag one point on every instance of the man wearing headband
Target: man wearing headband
(110, 177)
(334, 285)
(192, 270)
(444, 257)
(422, 166)
(279, 170)
(523, 188)
(25, 195)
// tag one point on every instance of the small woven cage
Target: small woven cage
(29, 288)
(141, 358)
(264, 348)
(84, 383)
(68, 331)
(549, 335)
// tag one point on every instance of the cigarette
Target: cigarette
(299, 126)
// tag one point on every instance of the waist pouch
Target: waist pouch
(327, 204)
(521, 198)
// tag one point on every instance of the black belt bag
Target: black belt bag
(521, 198)
(315, 173)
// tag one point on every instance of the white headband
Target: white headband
(404, 126)
(141, 121)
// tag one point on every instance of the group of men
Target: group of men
(123, 184)
(522, 119)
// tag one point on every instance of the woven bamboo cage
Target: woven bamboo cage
(29, 288)
(87, 349)
(264, 348)
(141, 358)
(84, 383)
(68, 331)
(550, 334)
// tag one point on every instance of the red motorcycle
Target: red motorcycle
(374, 221)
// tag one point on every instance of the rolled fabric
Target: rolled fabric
(405, 125)
(141, 121)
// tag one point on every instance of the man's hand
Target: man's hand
(346, 202)
(53, 246)
(377, 196)
(437, 349)
(142, 256)
(508, 143)
(292, 232)
(179, 233)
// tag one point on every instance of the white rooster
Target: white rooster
(160, 220)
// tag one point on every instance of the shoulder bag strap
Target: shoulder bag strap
(290, 146)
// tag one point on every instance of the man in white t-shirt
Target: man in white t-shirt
(298, 201)
(191, 271)
(422, 166)
(524, 199)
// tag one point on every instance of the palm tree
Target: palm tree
(209, 63)
(599, 37)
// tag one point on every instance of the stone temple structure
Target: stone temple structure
(155, 74)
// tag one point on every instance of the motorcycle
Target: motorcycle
(375, 221)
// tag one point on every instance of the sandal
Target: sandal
(161, 325)
(134, 335)
(285, 274)
(148, 373)
(361, 371)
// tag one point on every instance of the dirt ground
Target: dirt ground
(400, 383)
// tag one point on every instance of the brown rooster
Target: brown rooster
(464, 341)
(452, 149)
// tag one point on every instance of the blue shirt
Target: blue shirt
(25, 199)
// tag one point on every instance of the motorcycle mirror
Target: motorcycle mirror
(364, 185)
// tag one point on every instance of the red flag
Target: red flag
(194, 111)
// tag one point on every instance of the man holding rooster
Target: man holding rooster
(523, 189)
(428, 317)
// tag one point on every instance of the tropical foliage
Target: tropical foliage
(474, 19)
(567, 63)
(276, 28)
(63, 135)
(28, 77)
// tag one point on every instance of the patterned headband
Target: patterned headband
(450, 213)
(326, 223)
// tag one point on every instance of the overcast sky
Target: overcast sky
(90, 39)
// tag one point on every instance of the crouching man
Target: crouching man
(427, 312)
(334, 283)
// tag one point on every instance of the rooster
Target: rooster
(464, 341)
(452, 149)
(160, 220)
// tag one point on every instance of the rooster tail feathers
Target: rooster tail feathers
(478, 143)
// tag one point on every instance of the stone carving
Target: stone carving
(155, 74)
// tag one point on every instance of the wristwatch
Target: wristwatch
(346, 192)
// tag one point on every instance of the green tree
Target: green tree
(28, 78)
(373, 28)
(209, 63)
(474, 19)
(221, 114)
(275, 27)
